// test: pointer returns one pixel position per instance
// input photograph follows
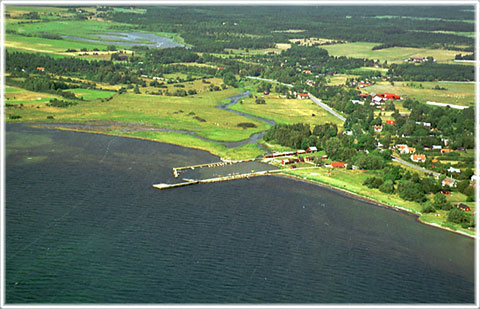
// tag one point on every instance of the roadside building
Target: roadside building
(449, 182)
(303, 96)
(418, 158)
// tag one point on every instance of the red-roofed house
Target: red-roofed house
(41, 69)
(390, 96)
(363, 95)
(449, 182)
(390, 121)
(338, 164)
(377, 128)
(418, 158)
(303, 96)
(219, 68)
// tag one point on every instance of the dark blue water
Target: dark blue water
(83, 224)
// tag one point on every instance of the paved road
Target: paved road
(415, 166)
(326, 107)
(331, 111)
(269, 80)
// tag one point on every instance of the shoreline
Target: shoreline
(296, 178)
(374, 202)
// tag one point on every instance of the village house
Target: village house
(303, 96)
(392, 122)
(445, 150)
(307, 71)
(377, 128)
(417, 158)
(404, 149)
(463, 207)
(449, 182)
(377, 100)
(42, 69)
(436, 147)
(454, 170)
(357, 102)
(312, 149)
(338, 164)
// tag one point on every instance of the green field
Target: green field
(456, 93)
(91, 94)
(284, 110)
(392, 55)
(183, 113)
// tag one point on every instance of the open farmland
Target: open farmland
(289, 111)
(455, 93)
(391, 55)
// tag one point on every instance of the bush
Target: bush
(13, 117)
(387, 187)
(246, 125)
(459, 216)
(373, 182)
(440, 202)
(260, 101)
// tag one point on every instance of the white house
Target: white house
(454, 170)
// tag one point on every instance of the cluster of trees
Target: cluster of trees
(102, 71)
(431, 72)
(60, 103)
(212, 29)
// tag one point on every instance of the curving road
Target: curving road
(424, 170)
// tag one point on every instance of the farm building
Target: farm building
(449, 182)
(389, 96)
(338, 164)
(301, 152)
(363, 95)
(312, 149)
(463, 207)
(418, 158)
(436, 147)
(303, 96)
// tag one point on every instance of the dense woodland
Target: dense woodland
(213, 29)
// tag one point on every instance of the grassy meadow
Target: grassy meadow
(455, 93)
(286, 111)
(391, 55)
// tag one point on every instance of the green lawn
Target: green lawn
(456, 93)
